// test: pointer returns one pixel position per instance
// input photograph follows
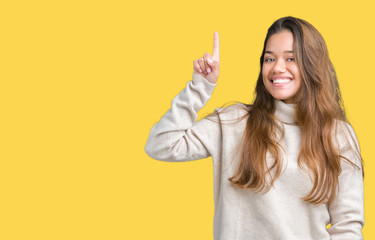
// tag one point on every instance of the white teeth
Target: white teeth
(281, 80)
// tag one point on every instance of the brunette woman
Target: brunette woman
(286, 165)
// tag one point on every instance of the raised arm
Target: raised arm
(177, 136)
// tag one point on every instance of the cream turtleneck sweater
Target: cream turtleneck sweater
(242, 214)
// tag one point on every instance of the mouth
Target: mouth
(281, 82)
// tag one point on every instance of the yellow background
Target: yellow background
(82, 83)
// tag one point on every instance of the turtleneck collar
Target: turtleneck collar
(286, 112)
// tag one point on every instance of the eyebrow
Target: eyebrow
(284, 52)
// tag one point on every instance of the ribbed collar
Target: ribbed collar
(286, 112)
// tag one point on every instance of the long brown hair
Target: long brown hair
(319, 110)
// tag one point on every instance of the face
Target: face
(281, 75)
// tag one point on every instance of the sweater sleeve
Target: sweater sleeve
(347, 210)
(177, 136)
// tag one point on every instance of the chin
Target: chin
(284, 99)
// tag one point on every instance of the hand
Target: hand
(208, 66)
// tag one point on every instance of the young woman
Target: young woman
(286, 165)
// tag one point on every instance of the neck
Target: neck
(286, 112)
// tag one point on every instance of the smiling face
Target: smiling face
(280, 72)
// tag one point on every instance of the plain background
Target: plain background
(82, 83)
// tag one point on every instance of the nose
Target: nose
(279, 66)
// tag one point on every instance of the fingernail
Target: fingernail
(209, 60)
(208, 70)
(200, 70)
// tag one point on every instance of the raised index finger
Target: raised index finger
(216, 51)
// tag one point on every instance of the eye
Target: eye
(291, 59)
(269, 59)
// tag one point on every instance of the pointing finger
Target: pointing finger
(216, 46)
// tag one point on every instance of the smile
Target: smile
(281, 82)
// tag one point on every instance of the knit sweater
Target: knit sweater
(242, 214)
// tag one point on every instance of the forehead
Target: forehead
(280, 42)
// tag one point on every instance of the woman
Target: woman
(287, 165)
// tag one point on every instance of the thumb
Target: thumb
(213, 64)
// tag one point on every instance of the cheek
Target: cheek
(296, 71)
(265, 72)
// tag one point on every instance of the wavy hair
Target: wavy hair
(319, 109)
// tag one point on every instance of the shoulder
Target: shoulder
(346, 141)
(236, 111)
(344, 131)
